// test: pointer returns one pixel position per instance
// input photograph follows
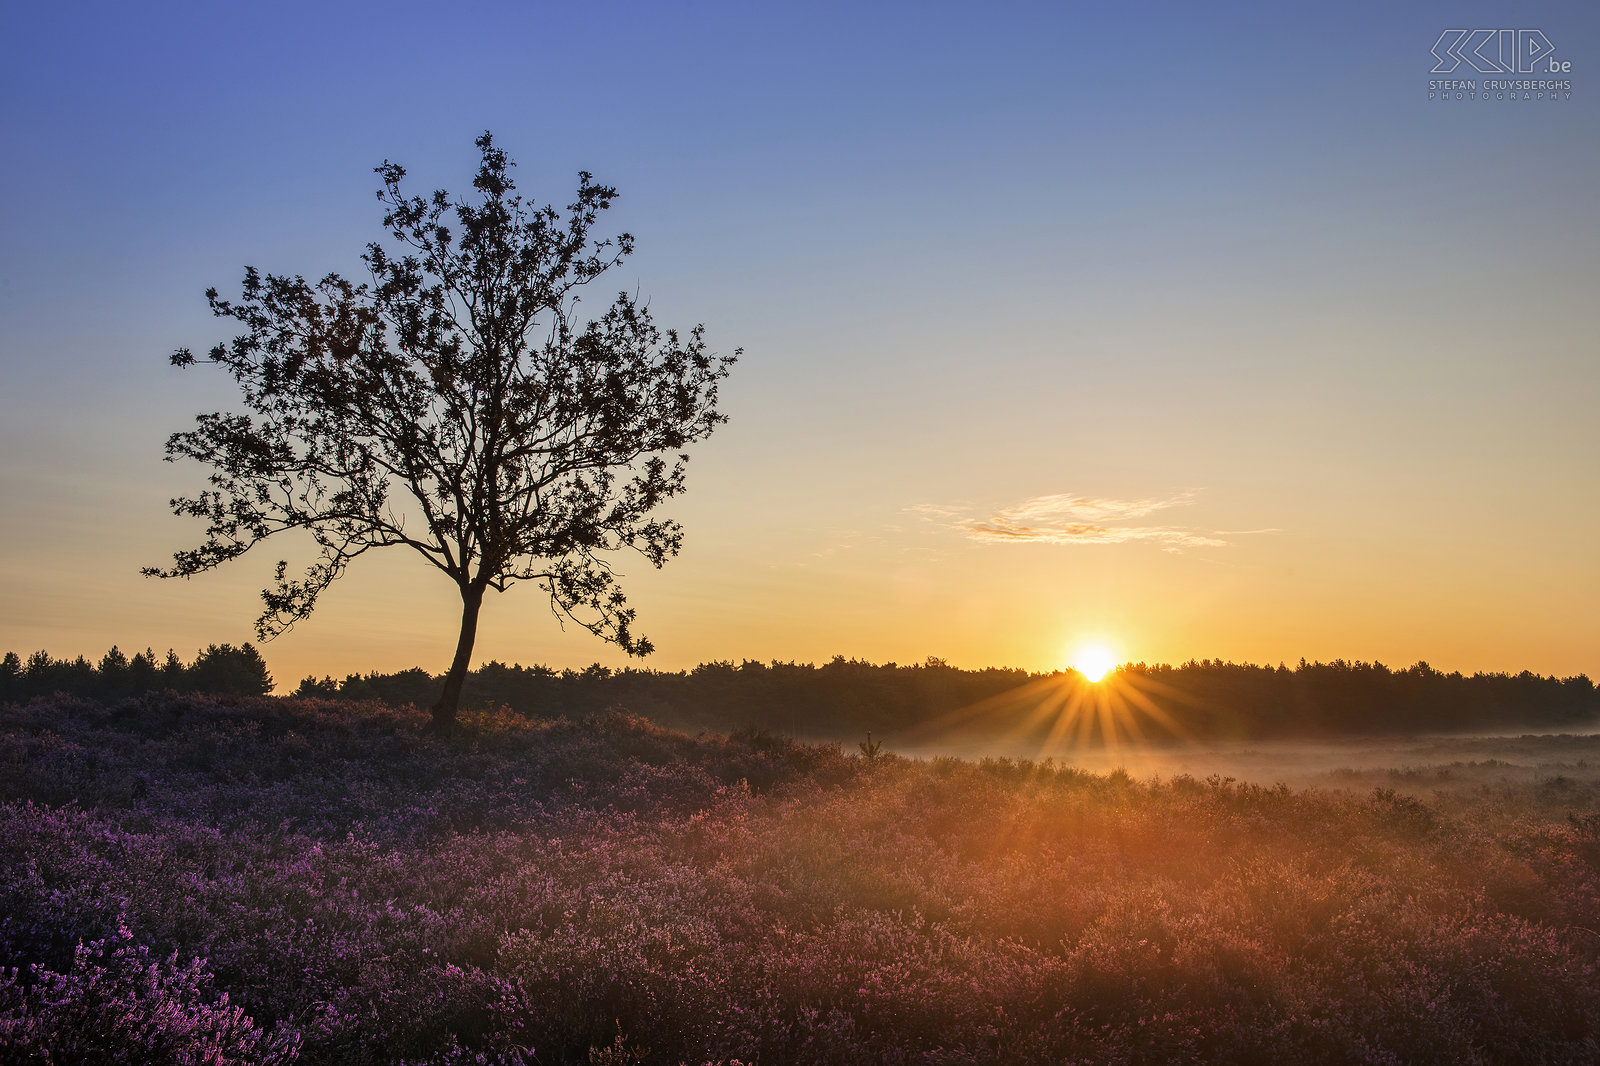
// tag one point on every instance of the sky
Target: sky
(1196, 330)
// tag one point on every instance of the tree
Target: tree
(226, 670)
(455, 406)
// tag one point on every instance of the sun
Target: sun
(1093, 661)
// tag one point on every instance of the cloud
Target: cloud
(1087, 533)
(1088, 508)
(1068, 518)
(935, 511)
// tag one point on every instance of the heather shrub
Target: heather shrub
(595, 889)
(118, 1005)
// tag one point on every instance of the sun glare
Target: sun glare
(1094, 661)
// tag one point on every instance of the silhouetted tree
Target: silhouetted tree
(11, 677)
(455, 406)
(142, 672)
(327, 688)
(222, 668)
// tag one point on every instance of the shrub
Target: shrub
(117, 1005)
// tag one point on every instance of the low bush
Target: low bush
(275, 880)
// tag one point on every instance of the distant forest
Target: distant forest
(932, 702)
(926, 703)
(220, 669)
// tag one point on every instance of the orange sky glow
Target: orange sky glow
(1256, 373)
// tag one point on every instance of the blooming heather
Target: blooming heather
(188, 880)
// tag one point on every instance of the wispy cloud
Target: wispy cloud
(1068, 518)
(934, 511)
(1066, 505)
(1086, 533)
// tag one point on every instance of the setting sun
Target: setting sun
(1094, 661)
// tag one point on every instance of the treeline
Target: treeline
(931, 701)
(837, 699)
(221, 669)
(926, 703)
(1229, 699)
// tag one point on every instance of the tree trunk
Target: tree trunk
(444, 709)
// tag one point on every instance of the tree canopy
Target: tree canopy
(456, 405)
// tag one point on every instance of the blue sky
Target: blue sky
(977, 256)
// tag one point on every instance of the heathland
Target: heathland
(188, 878)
